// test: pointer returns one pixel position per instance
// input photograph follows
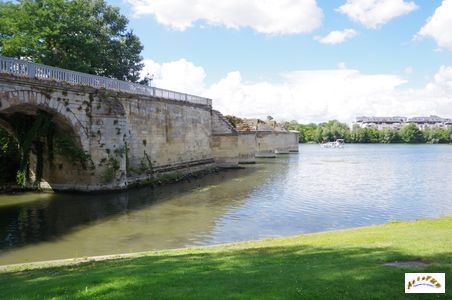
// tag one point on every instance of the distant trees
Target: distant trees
(438, 135)
(411, 134)
(333, 130)
(89, 36)
(389, 136)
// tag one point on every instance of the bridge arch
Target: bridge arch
(17, 99)
(52, 141)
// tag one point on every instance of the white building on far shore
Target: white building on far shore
(398, 122)
(381, 122)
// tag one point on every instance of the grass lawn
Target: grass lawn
(345, 264)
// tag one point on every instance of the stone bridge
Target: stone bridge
(109, 134)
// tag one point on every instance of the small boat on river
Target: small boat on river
(339, 143)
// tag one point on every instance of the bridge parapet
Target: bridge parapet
(33, 70)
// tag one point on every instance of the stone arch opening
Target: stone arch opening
(49, 148)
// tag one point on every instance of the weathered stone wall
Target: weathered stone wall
(132, 139)
(224, 142)
(129, 138)
(265, 144)
(271, 143)
(295, 141)
(167, 137)
(283, 140)
(247, 147)
(92, 122)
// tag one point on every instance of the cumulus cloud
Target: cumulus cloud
(180, 75)
(374, 13)
(269, 16)
(314, 95)
(439, 26)
(336, 36)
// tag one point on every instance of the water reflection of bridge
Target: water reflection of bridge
(172, 216)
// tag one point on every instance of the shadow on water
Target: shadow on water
(52, 216)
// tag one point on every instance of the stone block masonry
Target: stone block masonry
(247, 147)
(224, 142)
(129, 139)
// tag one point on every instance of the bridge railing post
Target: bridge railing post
(31, 70)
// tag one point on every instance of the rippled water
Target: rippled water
(315, 190)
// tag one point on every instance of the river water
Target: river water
(315, 190)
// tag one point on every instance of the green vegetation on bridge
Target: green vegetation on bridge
(346, 264)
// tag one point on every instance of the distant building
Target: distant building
(429, 122)
(398, 122)
(381, 122)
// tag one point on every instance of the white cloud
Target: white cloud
(442, 82)
(180, 75)
(312, 96)
(268, 16)
(374, 13)
(336, 36)
(439, 26)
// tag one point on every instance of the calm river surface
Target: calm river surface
(315, 190)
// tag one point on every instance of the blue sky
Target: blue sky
(252, 57)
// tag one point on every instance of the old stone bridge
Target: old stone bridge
(114, 134)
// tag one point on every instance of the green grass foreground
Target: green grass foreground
(345, 264)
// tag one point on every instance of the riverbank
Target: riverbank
(152, 182)
(340, 264)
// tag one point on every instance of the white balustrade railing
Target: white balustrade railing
(32, 70)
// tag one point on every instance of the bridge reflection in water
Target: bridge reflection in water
(49, 226)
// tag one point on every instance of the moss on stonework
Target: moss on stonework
(112, 163)
(146, 165)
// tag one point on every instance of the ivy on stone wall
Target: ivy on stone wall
(30, 131)
(146, 164)
(38, 134)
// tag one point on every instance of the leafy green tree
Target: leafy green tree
(359, 135)
(82, 35)
(411, 134)
(333, 130)
(436, 135)
(389, 136)
(373, 135)
(308, 133)
(318, 134)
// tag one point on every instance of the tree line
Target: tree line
(333, 130)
